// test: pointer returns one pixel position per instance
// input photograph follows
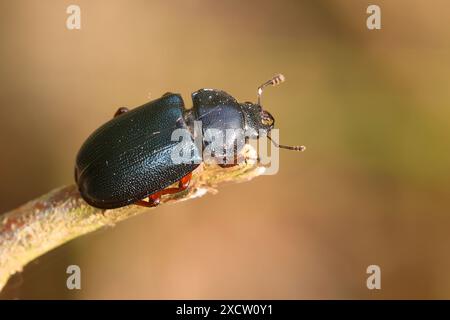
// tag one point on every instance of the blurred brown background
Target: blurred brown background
(371, 106)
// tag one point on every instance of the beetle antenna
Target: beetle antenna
(294, 148)
(276, 80)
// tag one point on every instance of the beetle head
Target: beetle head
(257, 119)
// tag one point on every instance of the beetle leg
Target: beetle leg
(238, 159)
(154, 199)
(227, 165)
(120, 111)
(183, 184)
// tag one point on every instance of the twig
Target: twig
(62, 215)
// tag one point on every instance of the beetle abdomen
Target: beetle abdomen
(129, 157)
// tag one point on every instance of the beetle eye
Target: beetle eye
(266, 119)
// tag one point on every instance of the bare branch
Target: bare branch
(62, 215)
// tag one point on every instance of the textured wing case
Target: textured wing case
(129, 157)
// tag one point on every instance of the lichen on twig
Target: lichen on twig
(62, 215)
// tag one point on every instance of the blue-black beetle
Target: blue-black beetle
(129, 158)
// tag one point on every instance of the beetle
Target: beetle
(128, 158)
